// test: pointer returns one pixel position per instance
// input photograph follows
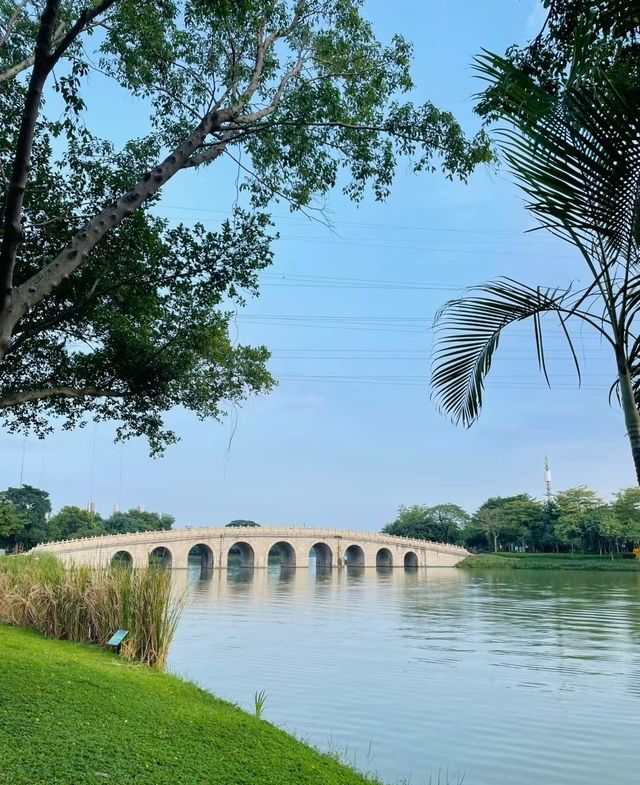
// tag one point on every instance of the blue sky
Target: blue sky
(350, 433)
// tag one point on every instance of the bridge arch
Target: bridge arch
(245, 553)
(161, 556)
(384, 558)
(122, 559)
(354, 556)
(410, 559)
(323, 555)
(283, 553)
(204, 553)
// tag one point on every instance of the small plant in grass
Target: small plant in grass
(259, 702)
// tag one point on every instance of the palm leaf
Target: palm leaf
(468, 332)
(576, 155)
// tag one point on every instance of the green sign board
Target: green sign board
(117, 638)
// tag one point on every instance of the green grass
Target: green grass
(73, 713)
(550, 561)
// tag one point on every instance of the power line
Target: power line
(422, 358)
(323, 281)
(418, 381)
(420, 353)
(364, 224)
(372, 243)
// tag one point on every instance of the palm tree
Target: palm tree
(576, 156)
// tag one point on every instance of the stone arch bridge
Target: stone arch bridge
(253, 547)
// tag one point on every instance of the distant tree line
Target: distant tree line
(576, 520)
(26, 520)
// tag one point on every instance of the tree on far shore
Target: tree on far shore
(25, 520)
(12, 520)
(72, 522)
(34, 507)
(442, 523)
(137, 521)
(242, 522)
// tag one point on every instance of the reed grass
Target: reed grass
(88, 605)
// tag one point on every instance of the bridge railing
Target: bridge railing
(229, 532)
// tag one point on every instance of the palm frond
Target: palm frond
(576, 154)
(468, 331)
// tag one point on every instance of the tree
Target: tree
(137, 521)
(492, 523)
(607, 30)
(474, 536)
(575, 508)
(626, 506)
(12, 520)
(441, 523)
(571, 152)
(34, 506)
(609, 527)
(414, 521)
(508, 520)
(72, 522)
(107, 312)
(451, 521)
(241, 522)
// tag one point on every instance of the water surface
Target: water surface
(503, 678)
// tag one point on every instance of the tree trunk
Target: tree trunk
(631, 417)
(12, 229)
(495, 543)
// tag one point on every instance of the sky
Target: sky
(350, 433)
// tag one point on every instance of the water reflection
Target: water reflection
(523, 678)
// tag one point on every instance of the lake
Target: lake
(501, 678)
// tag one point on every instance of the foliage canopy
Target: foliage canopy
(109, 312)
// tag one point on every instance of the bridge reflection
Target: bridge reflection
(247, 585)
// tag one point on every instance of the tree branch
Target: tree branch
(14, 70)
(17, 11)
(44, 281)
(271, 107)
(85, 19)
(214, 150)
(31, 396)
(25, 64)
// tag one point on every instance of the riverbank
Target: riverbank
(74, 713)
(549, 561)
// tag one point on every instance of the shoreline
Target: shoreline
(549, 561)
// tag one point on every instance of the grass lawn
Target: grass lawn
(71, 714)
(550, 561)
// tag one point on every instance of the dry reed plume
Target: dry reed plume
(87, 605)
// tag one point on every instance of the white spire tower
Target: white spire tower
(547, 479)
